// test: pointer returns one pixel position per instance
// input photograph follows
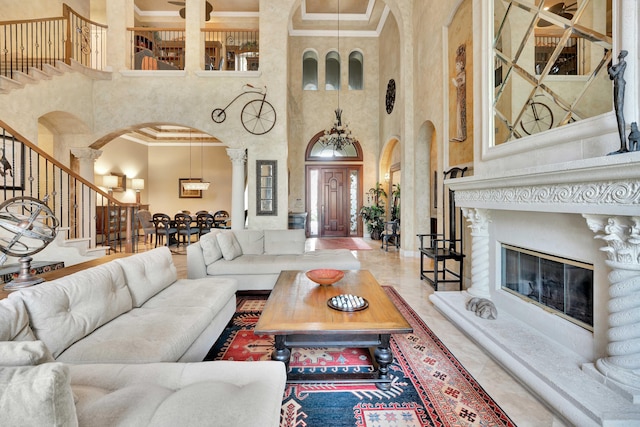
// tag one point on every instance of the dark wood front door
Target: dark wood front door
(334, 201)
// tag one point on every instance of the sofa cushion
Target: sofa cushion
(252, 264)
(251, 241)
(148, 273)
(24, 353)
(211, 251)
(229, 245)
(217, 394)
(283, 242)
(37, 396)
(65, 310)
(162, 330)
(14, 321)
(142, 335)
(340, 259)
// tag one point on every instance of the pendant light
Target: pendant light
(338, 135)
(203, 185)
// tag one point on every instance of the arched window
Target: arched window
(332, 71)
(356, 71)
(310, 70)
(318, 152)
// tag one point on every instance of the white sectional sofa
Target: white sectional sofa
(255, 258)
(99, 348)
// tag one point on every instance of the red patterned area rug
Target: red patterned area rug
(429, 386)
(351, 243)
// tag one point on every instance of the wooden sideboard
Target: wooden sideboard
(61, 272)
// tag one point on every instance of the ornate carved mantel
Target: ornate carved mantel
(606, 192)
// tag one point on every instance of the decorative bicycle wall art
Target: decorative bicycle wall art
(257, 116)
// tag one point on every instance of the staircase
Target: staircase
(27, 171)
(35, 75)
(40, 49)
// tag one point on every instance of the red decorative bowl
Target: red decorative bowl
(325, 276)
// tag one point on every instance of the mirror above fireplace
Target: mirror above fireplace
(550, 64)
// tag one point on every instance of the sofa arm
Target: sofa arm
(196, 268)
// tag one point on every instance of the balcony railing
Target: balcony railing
(36, 42)
(165, 49)
(231, 50)
(157, 48)
(86, 40)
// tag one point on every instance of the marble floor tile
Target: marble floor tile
(389, 268)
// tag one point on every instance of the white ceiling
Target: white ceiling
(358, 18)
(313, 17)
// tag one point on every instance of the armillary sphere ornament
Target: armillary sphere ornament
(27, 226)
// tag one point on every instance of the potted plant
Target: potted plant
(395, 203)
(373, 215)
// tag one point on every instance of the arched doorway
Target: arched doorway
(333, 189)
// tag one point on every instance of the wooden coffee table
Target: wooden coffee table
(297, 314)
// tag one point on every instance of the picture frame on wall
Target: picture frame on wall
(188, 194)
(267, 187)
(11, 164)
(122, 182)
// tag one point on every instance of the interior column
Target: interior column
(621, 367)
(238, 157)
(194, 52)
(86, 158)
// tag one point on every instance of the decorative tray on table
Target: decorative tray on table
(347, 302)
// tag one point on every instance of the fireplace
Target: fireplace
(563, 286)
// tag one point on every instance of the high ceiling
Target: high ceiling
(312, 17)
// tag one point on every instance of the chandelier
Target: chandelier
(337, 136)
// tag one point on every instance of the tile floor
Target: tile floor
(402, 272)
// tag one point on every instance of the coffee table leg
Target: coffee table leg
(384, 357)
(281, 352)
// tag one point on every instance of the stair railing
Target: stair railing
(26, 170)
(37, 42)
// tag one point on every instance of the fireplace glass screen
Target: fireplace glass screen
(561, 285)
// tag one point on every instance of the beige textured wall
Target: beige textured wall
(167, 164)
(128, 158)
(460, 32)
(390, 68)
(161, 167)
(313, 111)
(34, 9)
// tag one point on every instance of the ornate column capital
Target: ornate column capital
(479, 220)
(86, 153)
(237, 155)
(621, 234)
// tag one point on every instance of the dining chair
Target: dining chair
(146, 222)
(205, 222)
(221, 219)
(185, 228)
(165, 227)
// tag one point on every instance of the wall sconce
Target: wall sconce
(137, 184)
(387, 177)
(111, 182)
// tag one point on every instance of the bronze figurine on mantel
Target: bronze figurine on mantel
(616, 73)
